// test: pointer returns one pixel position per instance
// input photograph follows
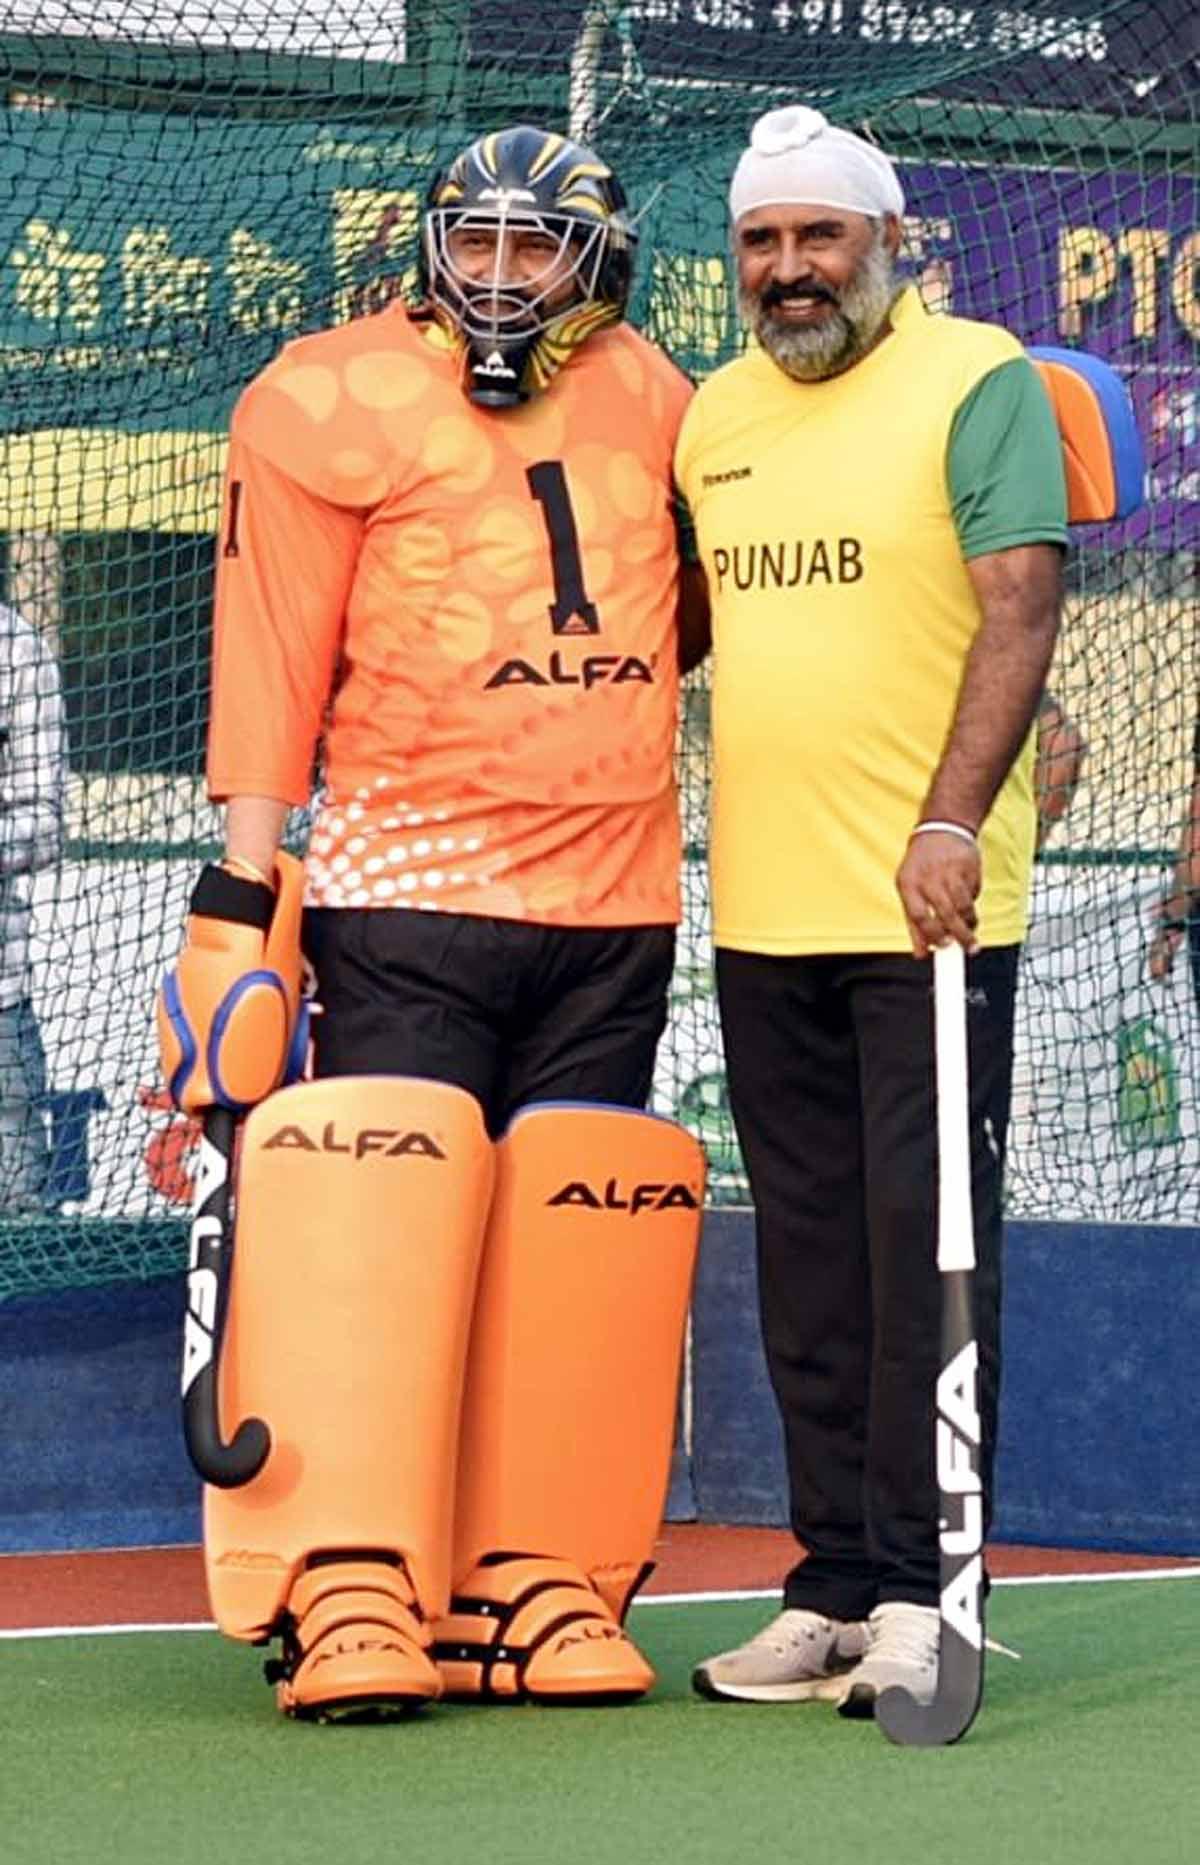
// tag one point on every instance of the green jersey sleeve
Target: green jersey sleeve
(1004, 464)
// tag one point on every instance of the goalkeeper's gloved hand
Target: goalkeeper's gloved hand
(232, 1026)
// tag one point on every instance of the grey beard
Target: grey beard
(840, 339)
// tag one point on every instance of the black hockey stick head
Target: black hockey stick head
(224, 1465)
(954, 1707)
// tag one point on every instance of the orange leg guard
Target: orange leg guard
(361, 1205)
(569, 1411)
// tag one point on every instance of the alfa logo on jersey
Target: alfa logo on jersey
(593, 670)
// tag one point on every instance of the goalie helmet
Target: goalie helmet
(516, 332)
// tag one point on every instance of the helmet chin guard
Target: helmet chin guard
(493, 374)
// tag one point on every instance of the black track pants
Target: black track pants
(830, 1068)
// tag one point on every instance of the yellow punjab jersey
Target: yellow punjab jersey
(474, 612)
(832, 521)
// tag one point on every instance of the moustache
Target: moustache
(787, 294)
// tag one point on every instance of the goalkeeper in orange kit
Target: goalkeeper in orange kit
(449, 556)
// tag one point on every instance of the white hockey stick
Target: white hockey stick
(960, 1497)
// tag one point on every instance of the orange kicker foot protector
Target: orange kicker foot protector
(361, 1205)
(569, 1408)
(525, 1627)
(354, 1645)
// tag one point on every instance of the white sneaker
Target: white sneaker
(787, 1662)
(902, 1649)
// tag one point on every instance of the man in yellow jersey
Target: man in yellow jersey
(449, 553)
(879, 505)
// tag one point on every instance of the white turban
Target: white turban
(796, 158)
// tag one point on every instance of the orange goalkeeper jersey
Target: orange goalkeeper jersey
(474, 612)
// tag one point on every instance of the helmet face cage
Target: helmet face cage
(493, 308)
(517, 331)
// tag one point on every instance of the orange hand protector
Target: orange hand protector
(231, 1026)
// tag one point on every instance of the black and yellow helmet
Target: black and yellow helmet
(516, 332)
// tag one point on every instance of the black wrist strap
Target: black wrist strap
(219, 895)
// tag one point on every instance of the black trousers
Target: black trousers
(510, 1011)
(831, 1080)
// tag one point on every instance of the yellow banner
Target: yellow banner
(99, 479)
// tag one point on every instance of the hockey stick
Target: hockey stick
(227, 1466)
(960, 1500)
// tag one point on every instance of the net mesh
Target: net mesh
(190, 183)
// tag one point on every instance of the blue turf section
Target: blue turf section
(1097, 1443)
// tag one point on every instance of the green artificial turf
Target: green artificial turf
(166, 1747)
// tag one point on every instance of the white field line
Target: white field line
(1013, 1580)
(102, 1631)
(654, 1599)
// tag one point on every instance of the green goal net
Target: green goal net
(190, 184)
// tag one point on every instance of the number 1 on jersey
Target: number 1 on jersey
(570, 613)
